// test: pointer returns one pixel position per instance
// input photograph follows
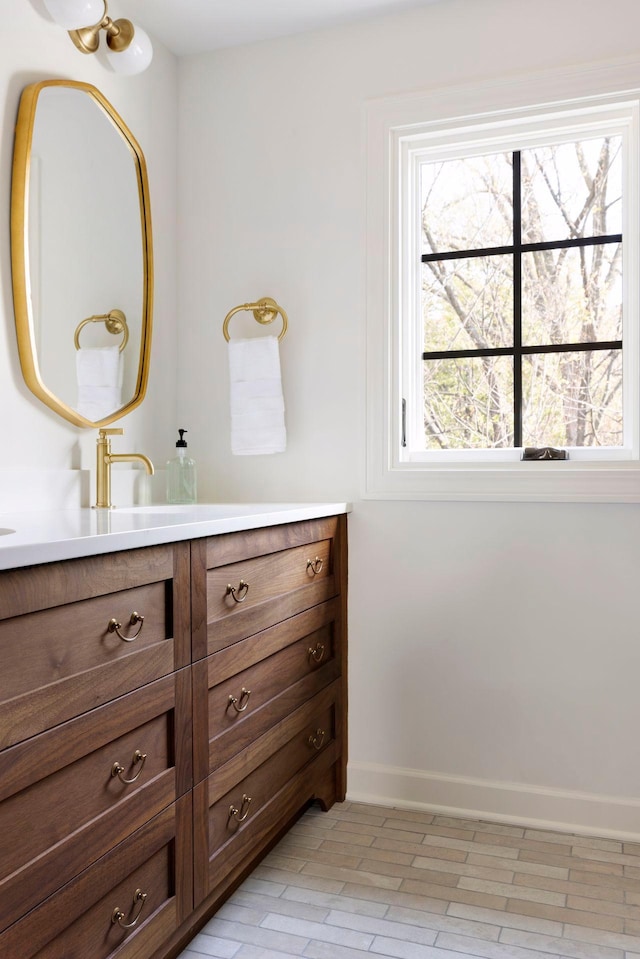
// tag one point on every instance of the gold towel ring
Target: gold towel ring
(264, 311)
(115, 322)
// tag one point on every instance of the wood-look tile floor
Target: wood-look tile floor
(362, 881)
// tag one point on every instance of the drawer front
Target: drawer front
(293, 764)
(234, 811)
(127, 904)
(258, 590)
(244, 707)
(84, 787)
(61, 661)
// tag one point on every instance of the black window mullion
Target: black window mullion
(517, 301)
(567, 244)
(525, 350)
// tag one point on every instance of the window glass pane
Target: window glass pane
(573, 399)
(468, 304)
(467, 204)
(572, 190)
(468, 403)
(572, 295)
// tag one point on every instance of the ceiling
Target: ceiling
(195, 26)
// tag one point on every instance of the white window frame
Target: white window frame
(400, 133)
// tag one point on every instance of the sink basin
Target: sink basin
(5, 532)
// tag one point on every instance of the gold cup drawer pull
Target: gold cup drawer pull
(316, 653)
(315, 565)
(240, 704)
(115, 627)
(139, 899)
(118, 769)
(239, 815)
(241, 595)
(317, 740)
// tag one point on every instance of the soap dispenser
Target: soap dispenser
(181, 475)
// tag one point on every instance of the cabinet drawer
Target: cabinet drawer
(228, 816)
(60, 661)
(78, 921)
(244, 801)
(307, 735)
(85, 786)
(277, 573)
(284, 666)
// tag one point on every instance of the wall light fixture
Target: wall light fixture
(129, 48)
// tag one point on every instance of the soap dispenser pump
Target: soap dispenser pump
(181, 475)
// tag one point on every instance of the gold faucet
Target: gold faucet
(103, 465)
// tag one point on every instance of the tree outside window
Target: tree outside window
(522, 297)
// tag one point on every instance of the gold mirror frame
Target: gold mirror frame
(21, 279)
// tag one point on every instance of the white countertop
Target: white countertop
(49, 535)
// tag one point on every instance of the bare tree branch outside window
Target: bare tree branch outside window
(522, 298)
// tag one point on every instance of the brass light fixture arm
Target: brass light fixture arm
(119, 34)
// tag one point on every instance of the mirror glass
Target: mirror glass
(81, 253)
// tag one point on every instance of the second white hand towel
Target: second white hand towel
(257, 403)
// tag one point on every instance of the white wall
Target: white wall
(32, 48)
(494, 653)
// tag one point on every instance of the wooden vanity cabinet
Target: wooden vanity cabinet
(165, 713)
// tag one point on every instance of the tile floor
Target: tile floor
(362, 881)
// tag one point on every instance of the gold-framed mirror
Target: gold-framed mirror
(81, 253)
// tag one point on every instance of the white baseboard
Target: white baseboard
(539, 807)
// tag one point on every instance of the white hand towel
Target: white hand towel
(257, 403)
(99, 376)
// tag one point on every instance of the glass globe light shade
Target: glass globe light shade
(73, 14)
(135, 58)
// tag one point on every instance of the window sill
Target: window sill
(553, 482)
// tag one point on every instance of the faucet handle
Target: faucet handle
(118, 431)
